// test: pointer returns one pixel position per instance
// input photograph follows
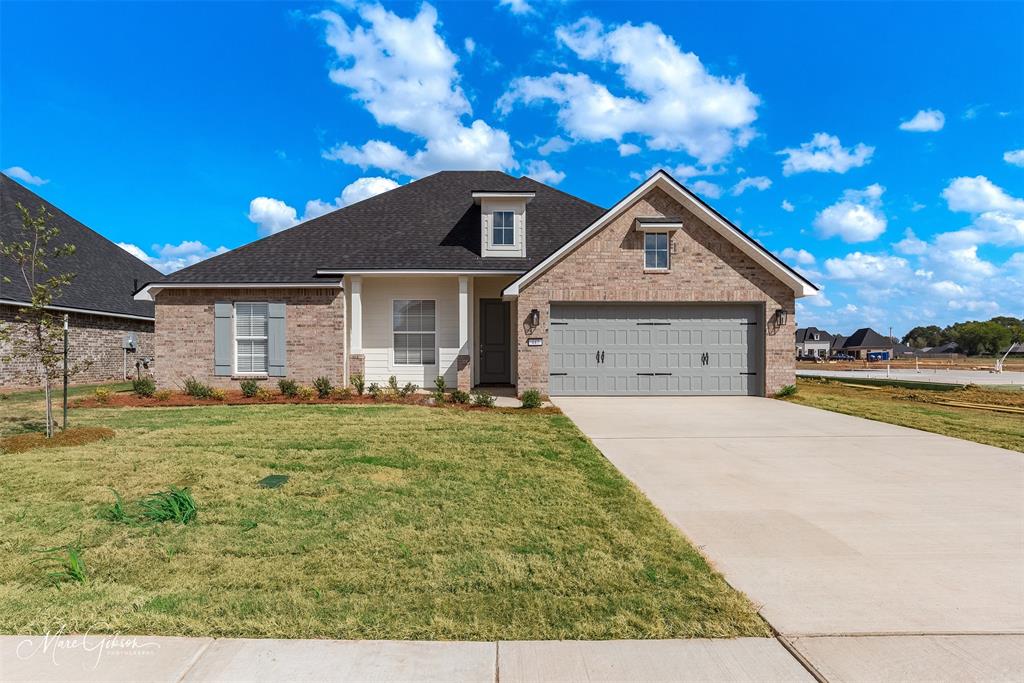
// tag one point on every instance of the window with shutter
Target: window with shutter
(251, 338)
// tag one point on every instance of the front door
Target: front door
(495, 356)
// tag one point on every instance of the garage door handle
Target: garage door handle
(646, 374)
(663, 374)
(654, 323)
(559, 374)
(748, 373)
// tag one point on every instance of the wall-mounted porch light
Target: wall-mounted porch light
(534, 318)
(780, 316)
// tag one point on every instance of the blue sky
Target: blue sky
(876, 147)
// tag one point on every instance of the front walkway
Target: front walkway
(170, 660)
(839, 526)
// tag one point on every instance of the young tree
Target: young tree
(37, 335)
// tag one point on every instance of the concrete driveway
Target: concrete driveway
(839, 526)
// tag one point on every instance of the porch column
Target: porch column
(465, 375)
(356, 363)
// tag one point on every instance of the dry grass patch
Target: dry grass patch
(74, 436)
(396, 522)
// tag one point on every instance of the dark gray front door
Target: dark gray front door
(681, 349)
(495, 356)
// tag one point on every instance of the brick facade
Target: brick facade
(609, 267)
(94, 338)
(315, 329)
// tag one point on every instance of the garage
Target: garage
(632, 349)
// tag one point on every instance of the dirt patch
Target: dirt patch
(76, 436)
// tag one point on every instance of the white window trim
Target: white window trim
(668, 251)
(234, 340)
(514, 243)
(394, 366)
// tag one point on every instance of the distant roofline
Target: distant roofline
(72, 309)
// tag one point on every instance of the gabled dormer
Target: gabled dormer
(502, 222)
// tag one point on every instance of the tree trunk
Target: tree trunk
(49, 406)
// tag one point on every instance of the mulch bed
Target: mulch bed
(76, 436)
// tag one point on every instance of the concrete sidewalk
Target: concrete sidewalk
(70, 659)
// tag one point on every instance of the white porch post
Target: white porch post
(357, 315)
(463, 363)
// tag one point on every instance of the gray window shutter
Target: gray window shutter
(222, 338)
(277, 365)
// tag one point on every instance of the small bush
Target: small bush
(483, 399)
(163, 395)
(531, 398)
(323, 387)
(172, 505)
(288, 388)
(197, 389)
(459, 396)
(408, 390)
(218, 395)
(341, 393)
(144, 386)
(788, 390)
(117, 512)
(263, 394)
(103, 394)
(392, 390)
(375, 391)
(64, 562)
(249, 387)
(305, 393)
(359, 383)
(439, 388)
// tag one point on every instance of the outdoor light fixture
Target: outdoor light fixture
(780, 316)
(534, 317)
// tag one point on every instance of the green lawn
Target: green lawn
(916, 408)
(397, 522)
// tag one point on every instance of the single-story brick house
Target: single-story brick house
(102, 311)
(488, 279)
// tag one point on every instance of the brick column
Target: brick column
(465, 381)
(356, 364)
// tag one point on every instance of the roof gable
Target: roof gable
(105, 274)
(663, 180)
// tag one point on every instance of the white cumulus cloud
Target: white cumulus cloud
(824, 153)
(787, 206)
(760, 183)
(273, 215)
(22, 174)
(925, 121)
(542, 172)
(978, 195)
(1014, 156)
(517, 7)
(858, 266)
(799, 256)
(706, 188)
(553, 146)
(857, 217)
(403, 72)
(675, 103)
(168, 258)
(628, 149)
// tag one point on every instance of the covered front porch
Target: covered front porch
(418, 326)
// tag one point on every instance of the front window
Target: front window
(656, 250)
(414, 327)
(251, 338)
(504, 228)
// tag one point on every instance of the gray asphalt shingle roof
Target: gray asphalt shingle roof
(105, 274)
(429, 224)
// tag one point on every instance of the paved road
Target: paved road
(839, 526)
(938, 376)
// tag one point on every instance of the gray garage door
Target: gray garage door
(639, 349)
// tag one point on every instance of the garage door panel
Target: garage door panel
(654, 349)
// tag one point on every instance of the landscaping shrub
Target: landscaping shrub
(788, 390)
(103, 394)
(393, 391)
(172, 505)
(305, 393)
(197, 389)
(408, 390)
(531, 398)
(65, 563)
(341, 393)
(323, 387)
(375, 391)
(483, 399)
(263, 394)
(439, 388)
(162, 395)
(76, 436)
(459, 396)
(288, 388)
(359, 383)
(144, 386)
(218, 395)
(249, 387)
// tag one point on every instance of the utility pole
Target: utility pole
(64, 428)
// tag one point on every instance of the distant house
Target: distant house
(810, 341)
(949, 348)
(837, 344)
(866, 341)
(102, 312)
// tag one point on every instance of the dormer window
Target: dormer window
(504, 228)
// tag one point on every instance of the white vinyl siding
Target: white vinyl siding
(251, 338)
(414, 324)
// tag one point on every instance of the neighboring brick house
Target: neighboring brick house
(487, 279)
(99, 302)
